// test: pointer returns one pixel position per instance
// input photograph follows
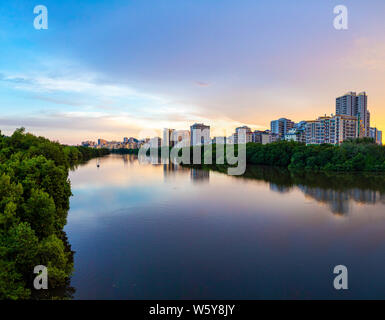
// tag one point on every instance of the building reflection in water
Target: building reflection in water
(171, 169)
(336, 190)
(339, 201)
(279, 188)
(199, 175)
(129, 158)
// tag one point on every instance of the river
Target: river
(166, 232)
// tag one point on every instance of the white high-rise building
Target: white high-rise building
(200, 134)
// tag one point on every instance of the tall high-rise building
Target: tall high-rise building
(281, 127)
(347, 104)
(355, 105)
(200, 134)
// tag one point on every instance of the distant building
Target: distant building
(281, 127)
(376, 135)
(200, 134)
(333, 129)
(88, 144)
(168, 140)
(132, 140)
(102, 142)
(260, 137)
(264, 137)
(355, 105)
(219, 140)
(230, 139)
(181, 138)
(240, 139)
(297, 133)
(155, 143)
(273, 137)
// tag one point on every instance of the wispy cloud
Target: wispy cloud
(202, 84)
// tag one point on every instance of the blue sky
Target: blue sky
(120, 68)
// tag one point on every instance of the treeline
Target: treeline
(34, 202)
(357, 155)
(353, 155)
(125, 151)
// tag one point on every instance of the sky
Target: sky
(119, 68)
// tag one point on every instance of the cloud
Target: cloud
(97, 107)
(202, 84)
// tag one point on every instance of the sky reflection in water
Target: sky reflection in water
(166, 232)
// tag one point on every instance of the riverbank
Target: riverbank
(34, 202)
(359, 155)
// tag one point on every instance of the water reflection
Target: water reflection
(199, 175)
(163, 231)
(336, 190)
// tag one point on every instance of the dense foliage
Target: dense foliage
(34, 201)
(354, 155)
(125, 151)
(351, 156)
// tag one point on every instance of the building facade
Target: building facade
(355, 105)
(219, 140)
(240, 138)
(333, 129)
(168, 140)
(263, 137)
(200, 134)
(376, 135)
(297, 133)
(181, 138)
(281, 127)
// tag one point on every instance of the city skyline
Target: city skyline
(351, 120)
(114, 68)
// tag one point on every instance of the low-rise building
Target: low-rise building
(333, 129)
(219, 140)
(376, 135)
(297, 133)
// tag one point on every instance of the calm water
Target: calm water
(161, 232)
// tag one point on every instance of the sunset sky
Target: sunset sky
(115, 68)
